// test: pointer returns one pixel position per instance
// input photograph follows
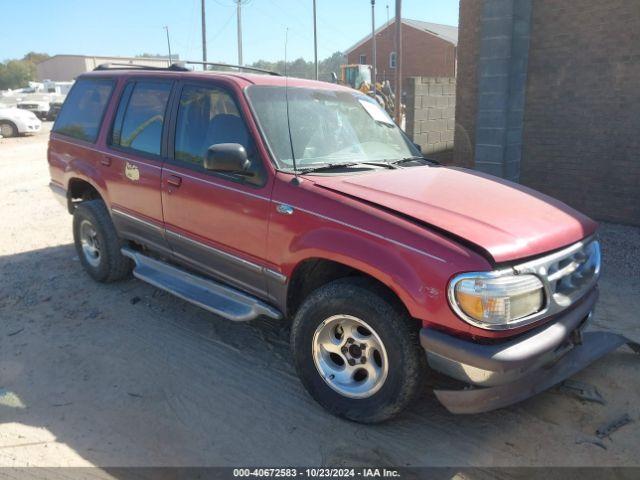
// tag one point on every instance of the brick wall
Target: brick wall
(581, 140)
(467, 87)
(502, 76)
(423, 54)
(581, 125)
(430, 115)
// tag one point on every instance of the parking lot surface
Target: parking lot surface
(126, 375)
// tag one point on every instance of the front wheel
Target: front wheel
(8, 129)
(357, 352)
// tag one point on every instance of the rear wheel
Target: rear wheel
(97, 242)
(8, 129)
(356, 351)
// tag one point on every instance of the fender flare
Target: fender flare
(394, 267)
(81, 170)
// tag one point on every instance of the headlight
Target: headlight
(496, 301)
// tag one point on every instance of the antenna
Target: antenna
(296, 180)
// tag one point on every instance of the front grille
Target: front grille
(567, 275)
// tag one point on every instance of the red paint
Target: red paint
(399, 226)
(506, 219)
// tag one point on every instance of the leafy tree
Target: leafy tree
(303, 69)
(35, 57)
(15, 74)
(18, 73)
(331, 64)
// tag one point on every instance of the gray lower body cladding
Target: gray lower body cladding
(594, 345)
(511, 371)
(60, 194)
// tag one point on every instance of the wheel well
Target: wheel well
(11, 123)
(79, 191)
(313, 273)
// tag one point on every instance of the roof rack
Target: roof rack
(239, 67)
(179, 67)
(176, 67)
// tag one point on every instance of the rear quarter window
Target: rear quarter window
(84, 108)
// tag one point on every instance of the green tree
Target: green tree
(35, 57)
(303, 69)
(18, 73)
(15, 74)
(331, 65)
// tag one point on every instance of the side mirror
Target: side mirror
(418, 146)
(229, 158)
(334, 77)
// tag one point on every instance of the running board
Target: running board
(208, 294)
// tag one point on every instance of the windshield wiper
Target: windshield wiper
(379, 164)
(326, 166)
(333, 166)
(413, 159)
(386, 124)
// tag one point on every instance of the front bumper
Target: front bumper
(511, 371)
(34, 127)
(29, 126)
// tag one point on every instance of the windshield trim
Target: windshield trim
(272, 157)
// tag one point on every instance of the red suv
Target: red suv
(253, 195)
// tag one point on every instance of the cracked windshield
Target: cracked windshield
(327, 127)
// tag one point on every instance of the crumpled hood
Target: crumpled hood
(507, 220)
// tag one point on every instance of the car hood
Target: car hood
(15, 113)
(11, 111)
(505, 219)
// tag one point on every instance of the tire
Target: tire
(388, 324)
(8, 129)
(97, 243)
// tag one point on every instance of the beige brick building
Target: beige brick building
(68, 67)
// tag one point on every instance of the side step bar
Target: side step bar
(208, 294)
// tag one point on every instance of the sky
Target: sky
(132, 27)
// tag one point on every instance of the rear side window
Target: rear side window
(84, 108)
(140, 118)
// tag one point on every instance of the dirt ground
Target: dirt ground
(125, 375)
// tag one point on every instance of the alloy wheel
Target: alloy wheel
(350, 356)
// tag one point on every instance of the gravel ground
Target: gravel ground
(126, 375)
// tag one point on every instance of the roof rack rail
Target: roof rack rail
(239, 67)
(177, 67)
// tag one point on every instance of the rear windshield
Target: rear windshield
(83, 109)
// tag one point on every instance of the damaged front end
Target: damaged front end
(571, 359)
(503, 373)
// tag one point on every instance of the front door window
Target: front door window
(208, 116)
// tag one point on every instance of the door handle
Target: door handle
(174, 181)
(106, 161)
